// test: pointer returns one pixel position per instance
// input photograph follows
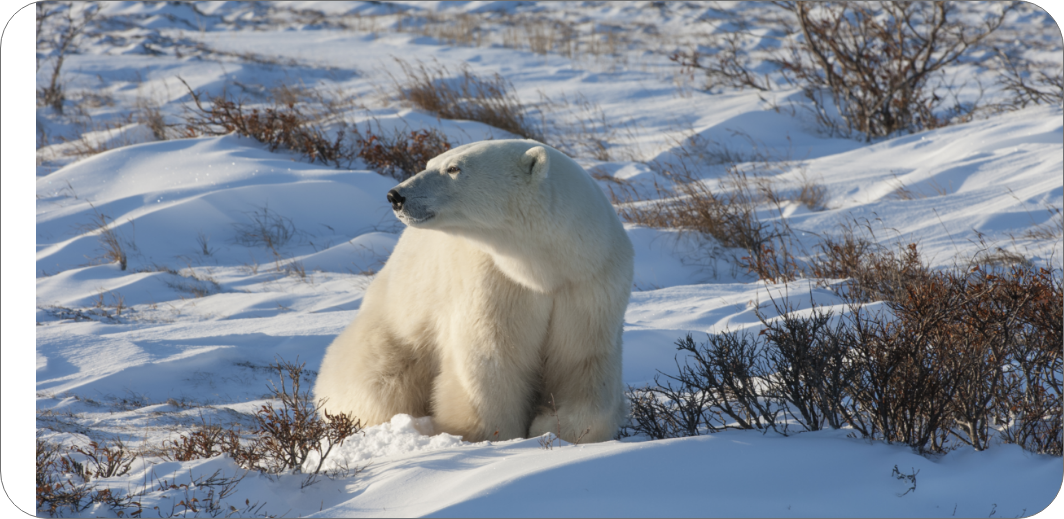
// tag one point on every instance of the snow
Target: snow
(181, 337)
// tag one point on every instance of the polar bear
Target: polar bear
(499, 313)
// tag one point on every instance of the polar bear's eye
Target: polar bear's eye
(452, 169)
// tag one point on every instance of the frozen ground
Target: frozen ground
(181, 336)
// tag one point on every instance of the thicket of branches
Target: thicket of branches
(285, 123)
(292, 433)
(875, 69)
(60, 26)
(963, 357)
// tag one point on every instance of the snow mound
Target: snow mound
(403, 435)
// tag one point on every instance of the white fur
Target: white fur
(500, 311)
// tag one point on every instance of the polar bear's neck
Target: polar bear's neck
(545, 259)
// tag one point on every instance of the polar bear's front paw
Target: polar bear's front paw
(543, 424)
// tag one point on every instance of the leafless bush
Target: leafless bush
(284, 436)
(54, 494)
(59, 29)
(1030, 411)
(1030, 83)
(729, 67)
(719, 386)
(811, 367)
(206, 441)
(967, 355)
(288, 434)
(872, 271)
(282, 125)
(104, 461)
(872, 69)
(401, 155)
(58, 493)
(881, 64)
(45, 11)
(907, 382)
(463, 94)
(204, 495)
(726, 212)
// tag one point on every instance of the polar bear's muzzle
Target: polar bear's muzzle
(410, 210)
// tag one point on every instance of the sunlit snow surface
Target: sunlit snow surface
(202, 313)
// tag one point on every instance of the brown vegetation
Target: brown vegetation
(284, 436)
(465, 95)
(875, 69)
(282, 125)
(114, 247)
(967, 355)
(59, 29)
(401, 155)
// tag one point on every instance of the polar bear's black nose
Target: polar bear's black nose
(396, 199)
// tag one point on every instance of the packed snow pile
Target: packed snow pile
(403, 435)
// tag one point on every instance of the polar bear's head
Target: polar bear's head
(540, 217)
(482, 185)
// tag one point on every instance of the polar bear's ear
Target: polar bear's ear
(536, 162)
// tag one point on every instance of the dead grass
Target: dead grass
(197, 284)
(272, 231)
(118, 303)
(114, 246)
(265, 228)
(1051, 229)
(904, 192)
(457, 29)
(581, 128)
(596, 43)
(462, 94)
(95, 138)
(150, 115)
(725, 208)
(813, 196)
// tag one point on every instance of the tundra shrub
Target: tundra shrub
(873, 69)
(963, 356)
